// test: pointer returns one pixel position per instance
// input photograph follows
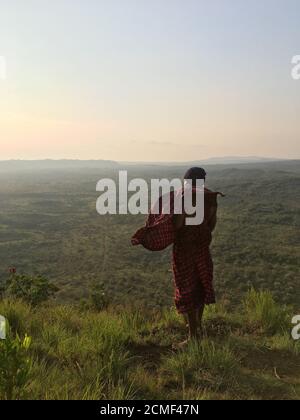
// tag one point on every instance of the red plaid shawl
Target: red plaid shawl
(192, 263)
(159, 231)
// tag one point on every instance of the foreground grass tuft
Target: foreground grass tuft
(263, 312)
(203, 363)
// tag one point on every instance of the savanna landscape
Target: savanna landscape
(162, 90)
(91, 317)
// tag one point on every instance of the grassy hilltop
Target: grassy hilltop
(119, 353)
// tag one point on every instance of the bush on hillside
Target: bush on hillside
(31, 289)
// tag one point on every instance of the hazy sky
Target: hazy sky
(149, 80)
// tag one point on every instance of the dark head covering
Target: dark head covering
(194, 174)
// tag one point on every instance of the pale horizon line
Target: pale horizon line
(219, 158)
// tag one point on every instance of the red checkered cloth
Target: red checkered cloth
(193, 268)
(192, 262)
(159, 232)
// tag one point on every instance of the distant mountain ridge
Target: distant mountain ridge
(56, 164)
(65, 164)
(238, 159)
(226, 160)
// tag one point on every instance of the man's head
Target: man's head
(195, 173)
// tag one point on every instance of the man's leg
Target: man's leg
(192, 319)
(200, 317)
(193, 324)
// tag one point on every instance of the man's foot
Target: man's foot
(185, 343)
(181, 346)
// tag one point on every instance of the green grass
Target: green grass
(207, 364)
(263, 312)
(123, 353)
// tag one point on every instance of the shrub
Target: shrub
(98, 298)
(31, 289)
(15, 366)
